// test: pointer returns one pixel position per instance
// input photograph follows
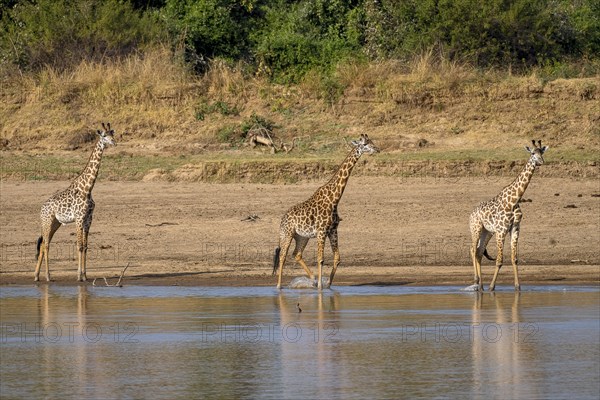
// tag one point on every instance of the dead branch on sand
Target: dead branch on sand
(285, 147)
(118, 284)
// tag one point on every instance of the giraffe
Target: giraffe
(502, 215)
(73, 204)
(318, 217)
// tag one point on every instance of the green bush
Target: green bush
(229, 134)
(62, 33)
(211, 28)
(586, 22)
(299, 36)
(256, 122)
(492, 32)
(288, 38)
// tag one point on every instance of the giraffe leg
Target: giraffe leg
(320, 255)
(476, 267)
(476, 233)
(483, 242)
(84, 257)
(514, 240)
(301, 243)
(500, 243)
(46, 223)
(53, 229)
(333, 240)
(49, 227)
(80, 250)
(287, 240)
(87, 223)
(36, 274)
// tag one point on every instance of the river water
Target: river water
(353, 342)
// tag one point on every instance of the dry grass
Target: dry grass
(141, 80)
(430, 105)
(228, 83)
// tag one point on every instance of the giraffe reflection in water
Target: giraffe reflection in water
(504, 346)
(310, 324)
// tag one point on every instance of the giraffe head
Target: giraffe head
(536, 152)
(365, 145)
(106, 135)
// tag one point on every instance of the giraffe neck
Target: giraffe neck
(336, 185)
(85, 181)
(513, 192)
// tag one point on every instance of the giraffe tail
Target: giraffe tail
(485, 253)
(276, 259)
(39, 244)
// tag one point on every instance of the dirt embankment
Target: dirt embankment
(298, 171)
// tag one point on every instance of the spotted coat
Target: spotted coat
(500, 216)
(318, 217)
(74, 204)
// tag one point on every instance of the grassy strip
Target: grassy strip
(478, 155)
(51, 167)
(260, 168)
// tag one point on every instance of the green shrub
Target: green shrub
(585, 18)
(300, 36)
(256, 122)
(211, 28)
(228, 134)
(492, 32)
(62, 33)
(288, 38)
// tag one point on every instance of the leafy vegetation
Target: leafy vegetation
(430, 80)
(285, 39)
(62, 33)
